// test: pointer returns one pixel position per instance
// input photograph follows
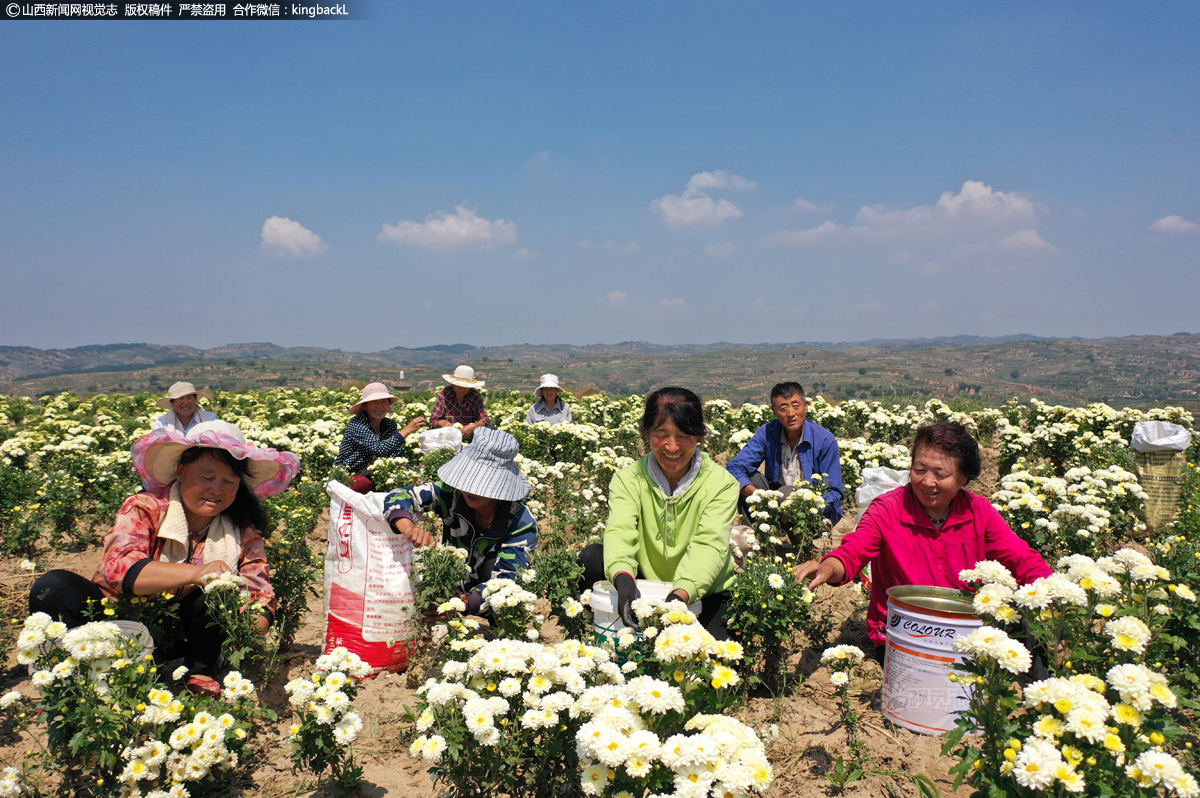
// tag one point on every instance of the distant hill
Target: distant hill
(1132, 371)
(19, 362)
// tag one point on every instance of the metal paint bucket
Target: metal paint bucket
(922, 624)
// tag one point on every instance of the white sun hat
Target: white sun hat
(180, 390)
(548, 381)
(156, 456)
(371, 392)
(464, 376)
(487, 467)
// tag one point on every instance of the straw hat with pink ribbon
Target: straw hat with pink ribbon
(156, 457)
(371, 392)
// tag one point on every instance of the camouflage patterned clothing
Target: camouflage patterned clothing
(501, 551)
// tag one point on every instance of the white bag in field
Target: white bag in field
(1159, 436)
(875, 483)
(369, 598)
(441, 438)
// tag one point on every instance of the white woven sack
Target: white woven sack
(369, 597)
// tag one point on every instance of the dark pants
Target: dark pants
(63, 595)
(759, 480)
(712, 608)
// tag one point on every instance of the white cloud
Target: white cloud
(584, 244)
(694, 210)
(539, 161)
(721, 250)
(977, 210)
(524, 254)
(1174, 224)
(671, 304)
(719, 178)
(903, 259)
(806, 206)
(929, 307)
(287, 238)
(814, 235)
(975, 204)
(930, 268)
(461, 230)
(868, 307)
(1025, 240)
(665, 308)
(695, 207)
(617, 300)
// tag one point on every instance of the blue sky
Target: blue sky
(496, 173)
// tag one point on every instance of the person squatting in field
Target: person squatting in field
(183, 408)
(794, 449)
(199, 518)
(926, 532)
(478, 495)
(550, 407)
(460, 402)
(670, 516)
(370, 434)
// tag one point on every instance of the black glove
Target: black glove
(627, 593)
(673, 596)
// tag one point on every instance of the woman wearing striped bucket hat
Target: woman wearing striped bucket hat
(478, 495)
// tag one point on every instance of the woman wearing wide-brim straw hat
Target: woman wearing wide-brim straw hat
(460, 402)
(479, 497)
(550, 407)
(371, 435)
(198, 518)
(184, 412)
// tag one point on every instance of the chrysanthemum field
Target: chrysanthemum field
(527, 702)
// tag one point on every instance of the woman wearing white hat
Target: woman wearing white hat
(460, 402)
(371, 435)
(184, 412)
(199, 517)
(478, 495)
(550, 408)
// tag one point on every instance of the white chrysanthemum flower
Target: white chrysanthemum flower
(835, 654)
(1128, 633)
(775, 581)
(839, 678)
(989, 572)
(1036, 764)
(990, 598)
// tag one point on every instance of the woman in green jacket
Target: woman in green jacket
(670, 516)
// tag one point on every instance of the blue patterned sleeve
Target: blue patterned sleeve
(414, 501)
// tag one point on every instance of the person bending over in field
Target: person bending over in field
(371, 435)
(670, 516)
(550, 407)
(184, 412)
(925, 532)
(200, 519)
(478, 495)
(795, 450)
(460, 402)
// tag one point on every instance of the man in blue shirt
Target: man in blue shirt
(794, 449)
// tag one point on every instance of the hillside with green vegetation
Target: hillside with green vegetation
(1135, 371)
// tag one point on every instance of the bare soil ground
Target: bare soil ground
(811, 737)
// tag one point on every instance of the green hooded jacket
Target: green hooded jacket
(683, 539)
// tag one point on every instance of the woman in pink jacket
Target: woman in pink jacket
(927, 531)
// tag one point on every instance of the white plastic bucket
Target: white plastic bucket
(605, 620)
(922, 624)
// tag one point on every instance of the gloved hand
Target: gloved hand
(627, 593)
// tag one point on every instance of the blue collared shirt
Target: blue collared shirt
(818, 453)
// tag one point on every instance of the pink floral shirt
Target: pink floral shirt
(135, 538)
(899, 541)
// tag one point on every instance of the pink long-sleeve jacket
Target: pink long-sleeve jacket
(899, 541)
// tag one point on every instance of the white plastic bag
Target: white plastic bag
(1159, 436)
(369, 599)
(441, 438)
(875, 483)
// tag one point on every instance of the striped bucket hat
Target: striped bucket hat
(487, 467)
